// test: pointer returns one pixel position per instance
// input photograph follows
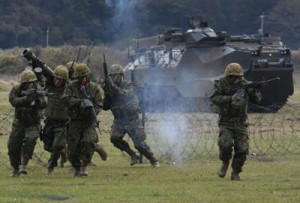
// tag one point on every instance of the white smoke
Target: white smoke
(124, 12)
(170, 134)
(173, 133)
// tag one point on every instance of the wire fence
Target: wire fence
(178, 137)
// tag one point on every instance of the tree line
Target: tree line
(30, 23)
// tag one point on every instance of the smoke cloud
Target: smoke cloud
(124, 12)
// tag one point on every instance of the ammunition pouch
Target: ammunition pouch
(239, 103)
(47, 139)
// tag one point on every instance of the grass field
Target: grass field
(268, 180)
(265, 179)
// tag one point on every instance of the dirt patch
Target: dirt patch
(254, 157)
(55, 198)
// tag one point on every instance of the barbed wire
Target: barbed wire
(179, 137)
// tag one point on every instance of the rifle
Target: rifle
(37, 92)
(78, 54)
(71, 70)
(108, 81)
(257, 84)
(92, 109)
(105, 67)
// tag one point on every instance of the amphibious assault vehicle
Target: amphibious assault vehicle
(175, 71)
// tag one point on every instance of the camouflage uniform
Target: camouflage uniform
(232, 123)
(122, 100)
(82, 136)
(26, 124)
(71, 65)
(55, 130)
(98, 147)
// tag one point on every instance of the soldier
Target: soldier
(98, 147)
(64, 153)
(27, 121)
(232, 110)
(121, 99)
(55, 130)
(82, 134)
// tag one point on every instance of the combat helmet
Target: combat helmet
(116, 69)
(234, 69)
(81, 70)
(28, 76)
(61, 72)
(70, 63)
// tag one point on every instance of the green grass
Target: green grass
(296, 96)
(264, 178)
(196, 181)
(5, 107)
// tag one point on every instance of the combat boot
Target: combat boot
(134, 159)
(155, 164)
(91, 163)
(235, 176)
(101, 151)
(23, 166)
(52, 163)
(15, 173)
(76, 173)
(83, 171)
(223, 169)
(149, 155)
(50, 170)
(63, 157)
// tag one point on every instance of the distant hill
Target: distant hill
(31, 23)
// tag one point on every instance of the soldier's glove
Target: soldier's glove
(238, 100)
(114, 89)
(107, 81)
(110, 86)
(253, 90)
(31, 97)
(86, 103)
(105, 87)
(110, 89)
